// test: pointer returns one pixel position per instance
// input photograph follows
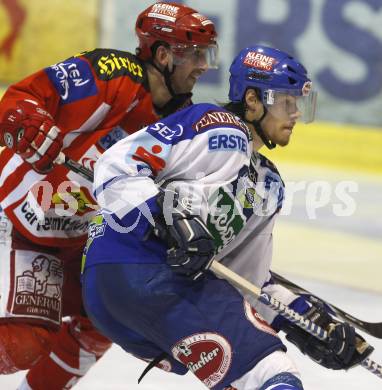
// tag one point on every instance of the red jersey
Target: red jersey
(95, 98)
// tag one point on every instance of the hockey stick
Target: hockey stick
(309, 326)
(372, 328)
(75, 167)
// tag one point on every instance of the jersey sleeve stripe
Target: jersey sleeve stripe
(13, 163)
(30, 178)
(90, 124)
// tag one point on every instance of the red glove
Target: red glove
(30, 132)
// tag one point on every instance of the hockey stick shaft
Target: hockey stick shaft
(372, 328)
(75, 167)
(248, 287)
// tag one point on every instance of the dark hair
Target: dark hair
(238, 108)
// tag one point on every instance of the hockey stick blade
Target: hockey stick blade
(372, 328)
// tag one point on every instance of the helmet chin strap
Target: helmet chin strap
(178, 100)
(260, 132)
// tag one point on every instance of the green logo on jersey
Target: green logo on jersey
(225, 219)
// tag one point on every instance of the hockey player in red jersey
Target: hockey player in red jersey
(80, 107)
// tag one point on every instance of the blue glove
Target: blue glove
(191, 245)
(343, 349)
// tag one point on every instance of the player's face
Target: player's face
(280, 120)
(188, 71)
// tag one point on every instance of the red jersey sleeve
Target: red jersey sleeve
(93, 90)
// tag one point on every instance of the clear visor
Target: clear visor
(286, 105)
(199, 55)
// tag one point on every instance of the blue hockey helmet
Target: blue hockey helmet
(274, 74)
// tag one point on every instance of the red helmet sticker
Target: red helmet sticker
(255, 59)
(164, 11)
(203, 19)
(206, 355)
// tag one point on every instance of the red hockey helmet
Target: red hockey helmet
(182, 28)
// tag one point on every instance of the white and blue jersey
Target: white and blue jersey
(203, 150)
(207, 152)
(132, 295)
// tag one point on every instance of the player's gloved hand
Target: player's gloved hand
(191, 244)
(30, 132)
(343, 349)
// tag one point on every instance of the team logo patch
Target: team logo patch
(257, 320)
(73, 80)
(207, 355)
(250, 199)
(254, 59)
(37, 286)
(149, 153)
(229, 141)
(112, 64)
(225, 119)
(164, 133)
(97, 227)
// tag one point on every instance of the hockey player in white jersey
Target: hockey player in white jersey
(182, 191)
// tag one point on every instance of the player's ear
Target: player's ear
(163, 57)
(253, 104)
(251, 99)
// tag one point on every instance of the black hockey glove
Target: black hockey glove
(343, 349)
(191, 246)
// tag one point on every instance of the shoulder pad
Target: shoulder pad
(216, 116)
(109, 64)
